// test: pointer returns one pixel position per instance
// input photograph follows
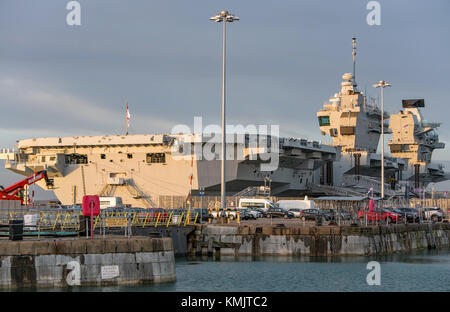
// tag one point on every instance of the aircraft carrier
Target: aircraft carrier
(141, 168)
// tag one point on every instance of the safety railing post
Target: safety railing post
(196, 216)
(157, 219)
(168, 220)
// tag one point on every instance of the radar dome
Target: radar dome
(347, 76)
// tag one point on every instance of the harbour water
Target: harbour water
(423, 270)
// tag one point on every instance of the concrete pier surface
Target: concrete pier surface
(254, 240)
(70, 262)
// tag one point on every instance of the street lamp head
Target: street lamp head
(224, 16)
(382, 84)
(216, 18)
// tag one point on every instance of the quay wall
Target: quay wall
(86, 262)
(224, 240)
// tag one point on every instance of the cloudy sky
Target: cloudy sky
(285, 59)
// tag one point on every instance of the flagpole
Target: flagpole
(127, 119)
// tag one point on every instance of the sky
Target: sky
(284, 60)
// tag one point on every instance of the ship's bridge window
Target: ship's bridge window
(130, 156)
(156, 158)
(102, 156)
(324, 121)
(73, 159)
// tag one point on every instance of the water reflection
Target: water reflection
(423, 270)
(417, 256)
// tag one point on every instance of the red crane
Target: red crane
(16, 191)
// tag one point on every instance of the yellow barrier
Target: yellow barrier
(181, 218)
(157, 219)
(187, 217)
(96, 220)
(65, 218)
(42, 216)
(134, 218)
(196, 216)
(56, 221)
(168, 220)
(145, 221)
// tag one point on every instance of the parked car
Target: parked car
(296, 211)
(262, 212)
(301, 204)
(411, 214)
(393, 215)
(328, 214)
(309, 214)
(261, 203)
(245, 214)
(433, 213)
(381, 214)
(256, 213)
(279, 212)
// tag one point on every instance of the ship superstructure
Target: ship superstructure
(415, 139)
(355, 128)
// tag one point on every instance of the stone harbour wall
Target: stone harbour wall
(86, 262)
(214, 240)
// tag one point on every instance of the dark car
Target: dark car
(310, 214)
(328, 214)
(404, 215)
(411, 214)
(275, 212)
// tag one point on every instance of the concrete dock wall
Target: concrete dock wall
(316, 241)
(86, 262)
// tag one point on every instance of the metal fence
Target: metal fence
(213, 202)
(51, 221)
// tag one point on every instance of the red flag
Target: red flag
(128, 116)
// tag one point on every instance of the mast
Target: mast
(354, 61)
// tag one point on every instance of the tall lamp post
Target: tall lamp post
(224, 17)
(382, 84)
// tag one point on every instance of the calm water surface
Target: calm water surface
(427, 270)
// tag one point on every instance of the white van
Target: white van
(260, 203)
(111, 202)
(300, 204)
